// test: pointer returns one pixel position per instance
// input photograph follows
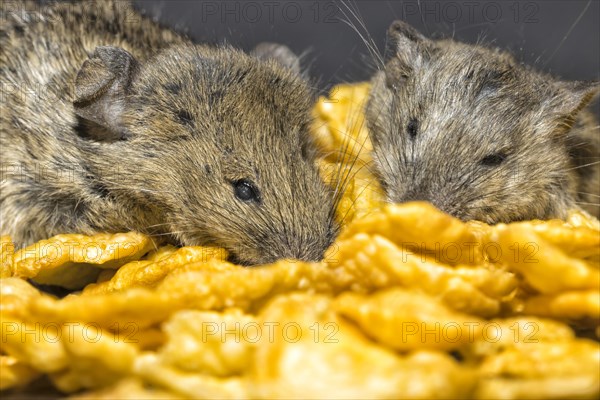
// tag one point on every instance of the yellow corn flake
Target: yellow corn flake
(35, 344)
(203, 286)
(161, 253)
(147, 273)
(209, 342)
(341, 134)
(151, 369)
(26, 340)
(584, 387)
(579, 218)
(105, 275)
(418, 321)
(422, 228)
(374, 319)
(7, 249)
(128, 389)
(580, 242)
(15, 295)
(65, 260)
(15, 373)
(560, 364)
(377, 262)
(139, 306)
(358, 193)
(545, 267)
(97, 358)
(514, 355)
(247, 288)
(500, 334)
(339, 129)
(494, 281)
(315, 354)
(353, 266)
(573, 305)
(150, 339)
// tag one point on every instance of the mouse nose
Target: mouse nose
(297, 245)
(415, 194)
(423, 194)
(309, 254)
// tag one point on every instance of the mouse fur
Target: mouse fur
(480, 135)
(118, 124)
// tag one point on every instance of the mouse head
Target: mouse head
(471, 130)
(215, 142)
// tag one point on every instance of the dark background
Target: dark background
(557, 36)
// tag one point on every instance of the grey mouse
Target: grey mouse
(480, 135)
(112, 123)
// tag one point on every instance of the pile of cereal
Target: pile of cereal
(408, 302)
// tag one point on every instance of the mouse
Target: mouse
(480, 135)
(112, 123)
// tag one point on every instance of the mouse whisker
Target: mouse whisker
(119, 186)
(583, 166)
(170, 233)
(157, 225)
(564, 39)
(366, 37)
(353, 202)
(347, 178)
(587, 203)
(589, 194)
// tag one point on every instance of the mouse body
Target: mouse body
(112, 123)
(480, 135)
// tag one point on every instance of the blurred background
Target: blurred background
(561, 37)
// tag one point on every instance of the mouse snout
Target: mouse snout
(297, 247)
(283, 245)
(431, 195)
(415, 194)
(419, 192)
(272, 255)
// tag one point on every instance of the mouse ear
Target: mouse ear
(278, 52)
(406, 48)
(102, 85)
(571, 98)
(403, 39)
(579, 94)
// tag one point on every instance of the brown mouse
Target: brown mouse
(478, 134)
(111, 123)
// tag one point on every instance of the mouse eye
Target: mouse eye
(246, 191)
(493, 160)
